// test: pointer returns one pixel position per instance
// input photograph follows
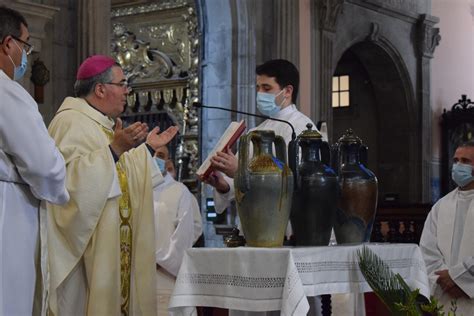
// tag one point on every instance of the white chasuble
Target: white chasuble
(85, 237)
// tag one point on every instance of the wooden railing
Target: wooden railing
(399, 224)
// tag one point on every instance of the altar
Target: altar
(269, 279)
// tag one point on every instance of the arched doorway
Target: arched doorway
(381, 110)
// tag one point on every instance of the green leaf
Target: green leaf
(393, 291)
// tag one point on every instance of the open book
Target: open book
(228, 139)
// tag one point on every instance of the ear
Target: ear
(6, 44)
(289, 91)
(99, 90)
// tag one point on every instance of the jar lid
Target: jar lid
(349, 138)
(310, 133)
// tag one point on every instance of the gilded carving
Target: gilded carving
(151, 7)
(137, 58)
(169, 38)
(159, 52)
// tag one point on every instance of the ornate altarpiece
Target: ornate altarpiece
(157, 44)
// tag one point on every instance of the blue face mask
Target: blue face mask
(266, 103)
(19, 71)
(160, 163)
(462, 174)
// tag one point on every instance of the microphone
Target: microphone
(200, 105)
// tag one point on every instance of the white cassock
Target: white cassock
(178, 225)
(31, 169)
(447, 243)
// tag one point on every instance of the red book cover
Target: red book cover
(228, 139)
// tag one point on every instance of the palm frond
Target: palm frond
(389, 287)
(394, 291)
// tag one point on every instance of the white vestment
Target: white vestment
(31, 169)
(101, 244)
(178, 225)
(447, 243)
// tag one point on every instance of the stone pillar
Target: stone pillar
(305, 61)
(324, 18)
(217, 90)
(428, 40)
(264, 30)
(243, 59)
(94, 31)
(286, 30)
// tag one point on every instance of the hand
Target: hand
(448, 286)
(127, 138)
(156, 140)
(216, 180)
(225, 162)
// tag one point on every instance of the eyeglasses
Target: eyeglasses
(29, 47)
(123, 84)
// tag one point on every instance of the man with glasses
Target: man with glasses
(102, 243)
(31, 169)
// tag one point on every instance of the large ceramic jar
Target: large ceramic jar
(358, 202)
(316, 191)
(263, 189)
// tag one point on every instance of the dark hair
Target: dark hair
(284, 72)
(10, 22)
(469, 143)
(83, 88)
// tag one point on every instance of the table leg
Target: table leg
(326, 309)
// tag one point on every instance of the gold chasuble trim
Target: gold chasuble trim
(125, 239)
(126, 234)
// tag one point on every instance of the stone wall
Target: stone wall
(53, 29)
(452, 68)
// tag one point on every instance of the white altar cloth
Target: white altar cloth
(266, 279)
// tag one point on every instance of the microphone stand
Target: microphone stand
(200, 105)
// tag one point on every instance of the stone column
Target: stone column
(264, 30)
(243, 59)
(428, 39)
(286, 30)
(94, 31)
(324, 18)
(217, 90)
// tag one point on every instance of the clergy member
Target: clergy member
(178, 226)
(277, 90)
(448, 234)
(102, 243)
(31, 169)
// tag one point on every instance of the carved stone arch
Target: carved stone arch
(407, 83)
(386, 45)
(409, 57)
(397, 115)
